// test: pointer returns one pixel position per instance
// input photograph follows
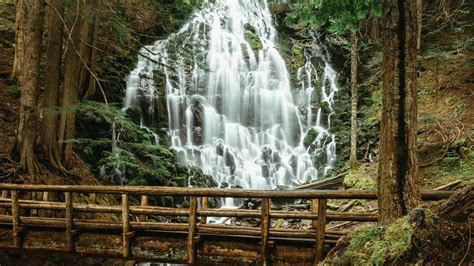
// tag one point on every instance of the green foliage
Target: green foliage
(118, 25)
(340, 16)
(175, 12)
(134, 158)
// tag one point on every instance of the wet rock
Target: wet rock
(197, 136)
(220, 149)
(198, 120)
(266, 154)
(280, 8)
(230, 161)
(265, 170)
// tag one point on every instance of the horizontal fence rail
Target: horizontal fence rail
(217, 192)
(132, 217)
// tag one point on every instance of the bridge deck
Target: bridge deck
(131, 230)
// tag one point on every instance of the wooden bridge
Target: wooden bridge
(72, 226)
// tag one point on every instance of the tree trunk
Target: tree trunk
(19, 28)
(375, 28)
(397, 183)
(72, 68)
(419, 17)
(52, 82)
(354, 99)
(88, 53)
(33, 11)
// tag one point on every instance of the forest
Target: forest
(247, 97)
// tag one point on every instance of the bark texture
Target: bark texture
(19, 28)
(354, 100)
(88, 53)
(72, 70)
(32, 34)
(52, 82)
(398, 185)
(419, 17)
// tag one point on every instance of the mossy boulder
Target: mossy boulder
(310, 137)
(252, 38)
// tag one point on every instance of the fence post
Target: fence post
(4, 196)
(191, 248)
(204, 206)
(16, 219)
(125, 225)
(143, 202)
(69, 221)
(314, 209)
(266, 205)
(321, 229)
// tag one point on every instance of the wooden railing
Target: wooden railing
(195, 226)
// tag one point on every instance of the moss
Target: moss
(358, 179)
(252, 38)
(440, 174)
(458, 144)
(298, 56)
(376, 245)
(310, 137)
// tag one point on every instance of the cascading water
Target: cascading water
(231, 107)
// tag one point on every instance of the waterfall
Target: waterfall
(232, 108)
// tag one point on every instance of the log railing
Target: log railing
(195, 227)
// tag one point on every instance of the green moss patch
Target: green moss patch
(376, 245)
(361, 178)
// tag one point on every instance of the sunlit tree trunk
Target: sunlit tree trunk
(52, 81)
(19, 28)
(354, 99)
(33, 19)
(397, 179)
(419, 17)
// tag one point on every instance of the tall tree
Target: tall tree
(52, 82)
(419, 17)
(72, 69)
(77, 71)
(397, 181)
(354, 100)
(341, 17)
(33, 18)
(19, 28)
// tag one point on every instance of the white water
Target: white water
(233, 111)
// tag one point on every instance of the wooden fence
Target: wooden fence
(196, 225)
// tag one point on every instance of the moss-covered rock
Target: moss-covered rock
(252, 38)
(310, 137)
